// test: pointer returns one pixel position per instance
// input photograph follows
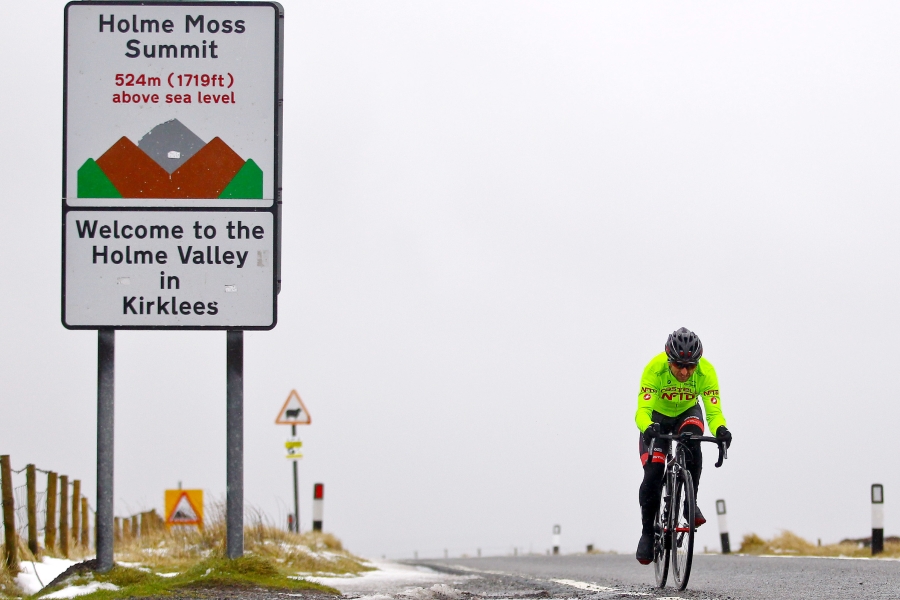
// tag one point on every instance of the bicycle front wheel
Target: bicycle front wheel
(682, 519)
(660, 539)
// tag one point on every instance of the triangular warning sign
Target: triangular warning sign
(184, 513)
(293, 412)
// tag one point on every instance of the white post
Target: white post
(877, 518)
(723, 526)
(556, 536)
(318, 508)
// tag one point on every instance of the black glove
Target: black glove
(651, 432)
(722, 433)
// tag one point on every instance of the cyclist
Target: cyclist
(669, 402)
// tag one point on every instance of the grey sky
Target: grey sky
(494, 214)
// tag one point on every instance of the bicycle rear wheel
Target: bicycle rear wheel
(660, 544)
(683, 531)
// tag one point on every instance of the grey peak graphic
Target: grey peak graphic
(170, 144)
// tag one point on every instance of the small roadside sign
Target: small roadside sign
(293, 412)
(184, 508)
(293, 445)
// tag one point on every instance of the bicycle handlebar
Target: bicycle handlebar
(687, 436)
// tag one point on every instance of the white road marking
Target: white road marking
(593, 587)
(581, 585)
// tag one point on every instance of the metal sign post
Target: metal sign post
(296, 488)
(106, 356)
(294, 413)
(171, 195)
(234, 496)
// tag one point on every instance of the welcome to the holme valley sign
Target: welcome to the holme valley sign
(171, 173)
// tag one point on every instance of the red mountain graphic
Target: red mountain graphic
(136, 175)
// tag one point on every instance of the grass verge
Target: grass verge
(161, 562)
(249, 572)
(790, 544)
(175, 551)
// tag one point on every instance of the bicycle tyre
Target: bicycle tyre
(682, 519)
(660, 547)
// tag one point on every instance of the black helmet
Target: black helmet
(683, 346)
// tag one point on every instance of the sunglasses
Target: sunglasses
(679, 365)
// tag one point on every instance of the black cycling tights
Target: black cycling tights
(651, 488)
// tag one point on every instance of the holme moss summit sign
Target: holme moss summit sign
(171, 197)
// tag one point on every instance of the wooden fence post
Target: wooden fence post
(135, 532)
(117, 529)
(144, 525)
(31, 489)
(9, 515)
(64, 515)
(85, 525)
(76, 510)
(50, 528)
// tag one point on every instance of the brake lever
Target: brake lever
(723, 454)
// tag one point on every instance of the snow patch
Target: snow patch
(395, 578)
(35, 575)
(80, 590)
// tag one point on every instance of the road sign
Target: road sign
(293, 412)
(184, 508)
(293, 445)
(172, 165)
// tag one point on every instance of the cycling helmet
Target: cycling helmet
(683, 346)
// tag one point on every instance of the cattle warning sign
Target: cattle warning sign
(171, 173)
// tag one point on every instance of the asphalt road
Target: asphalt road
(589, 577)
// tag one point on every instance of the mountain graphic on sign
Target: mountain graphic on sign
(184, 513)
(170, 161)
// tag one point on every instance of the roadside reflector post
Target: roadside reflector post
(723, 526)
(318, 508)
(556, 536)
(877, 518)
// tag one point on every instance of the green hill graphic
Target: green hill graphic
(93, 182)
(247, 183)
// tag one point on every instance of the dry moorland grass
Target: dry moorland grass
(790, 544)
(173, 550)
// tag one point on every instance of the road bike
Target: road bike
(673, 539)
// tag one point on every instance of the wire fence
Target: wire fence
(72, 523)
(20, 494)
(69, 505)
